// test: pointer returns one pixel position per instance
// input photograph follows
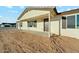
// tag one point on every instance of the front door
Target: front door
(46, 24)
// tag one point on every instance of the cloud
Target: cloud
(7, 19)
(74, 8)
(9, 6)
(59, 11)
(12, 11)
(71, 9)
(0, 16)
(22, 7)
(60, 6)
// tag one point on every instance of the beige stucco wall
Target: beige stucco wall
(70, 32)
(55, 25)
(38, 28)
(24, 25)
(18, 25)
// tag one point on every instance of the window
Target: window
(63, 22)
(21, 24)
(29, 24)
(32, 23)
(71, 21)
(77, 21)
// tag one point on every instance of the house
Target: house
(48, 20)
(8, 25)
(70, 25)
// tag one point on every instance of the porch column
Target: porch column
(49, 30)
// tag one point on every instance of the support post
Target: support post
(49, 30)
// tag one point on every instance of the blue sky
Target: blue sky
(10, 13)
(66, 8)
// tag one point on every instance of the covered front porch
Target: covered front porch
(37, 21)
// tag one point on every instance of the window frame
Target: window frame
(20, 24)
(75, 21)
(34, 23)
(67, 22)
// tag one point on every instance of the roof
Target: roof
(69, 12)
(48, 8)
(37, 8)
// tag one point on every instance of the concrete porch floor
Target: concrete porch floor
(37, 33)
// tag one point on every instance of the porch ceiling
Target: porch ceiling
(35, 14)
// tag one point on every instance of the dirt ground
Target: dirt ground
(16, 41)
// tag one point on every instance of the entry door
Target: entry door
(46, 24)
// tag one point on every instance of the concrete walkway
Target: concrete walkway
(37, 33)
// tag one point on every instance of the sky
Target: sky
(9, 14)
(66, 8)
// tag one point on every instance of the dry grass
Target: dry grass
(18, 41)
(13, 41)
(65, 44)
